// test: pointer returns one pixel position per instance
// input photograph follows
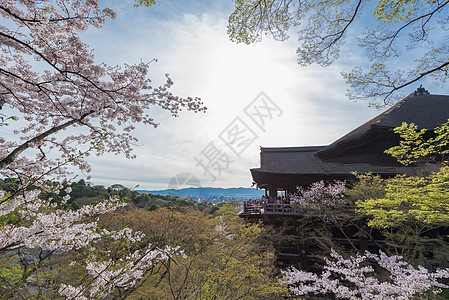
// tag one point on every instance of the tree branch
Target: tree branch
(13, 155)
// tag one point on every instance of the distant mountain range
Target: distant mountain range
(210, 194)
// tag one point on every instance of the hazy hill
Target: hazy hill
(211, 194)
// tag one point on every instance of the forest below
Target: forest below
(209, 252)
(222, 257)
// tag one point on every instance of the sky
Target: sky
(308, 105)
(297, 106)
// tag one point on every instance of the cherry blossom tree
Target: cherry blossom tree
(368, 276)
(320, 196)
(67, 107)
(326, 201)
(355, 278)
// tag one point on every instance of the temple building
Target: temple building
(361, 150)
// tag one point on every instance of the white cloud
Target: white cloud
(203, 62)
(194, 48)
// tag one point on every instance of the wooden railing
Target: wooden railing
(292, 209)
(273, 208)
(266, 208)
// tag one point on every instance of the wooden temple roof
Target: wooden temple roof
(426, 111)
(361, 150)
(295, 160)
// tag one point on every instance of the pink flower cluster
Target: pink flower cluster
(319, 195)
(355, 278)
(68, 107)
(109, 275)
(320, 200)
(51, 229)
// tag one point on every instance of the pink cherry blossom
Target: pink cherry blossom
(320, 199)
(354, 278)
(50, 82)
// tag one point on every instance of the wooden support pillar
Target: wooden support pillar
(291, 190)
(272, 191)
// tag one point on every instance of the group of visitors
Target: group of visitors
(271, 204)
(255, 204)
(279, 200)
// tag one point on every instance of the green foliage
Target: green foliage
(423, 200)
(417, 146)
(83, 193)
(411, 212)
(11, 218)
(323, 26)
(223, 260)
(405, 216)
(9, 270)
(27, 272)
(8, 184)
(252, 18)
(394, 11)
(4, 118)
(368, 186)
(146, 3)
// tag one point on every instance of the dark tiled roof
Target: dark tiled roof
(302, 160)
(426, 111)
(291, 149)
